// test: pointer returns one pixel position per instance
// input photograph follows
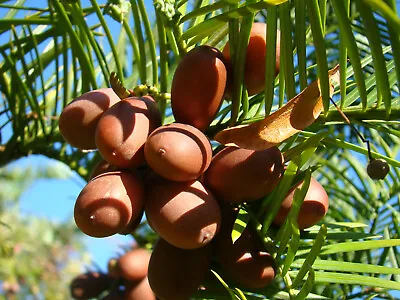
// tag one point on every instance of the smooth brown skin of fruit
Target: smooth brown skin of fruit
(183, 213)
(178, 152)
(254, 72)
(79, 118)
(133, 224)
(89, 285)
(133, 264)
(123, 130)
(198, 87)
(314, 208)
(139, 291)
(237, 175)
(174, 273)
(252, 270)
(244, 261)
(108, 202)
(101, 167)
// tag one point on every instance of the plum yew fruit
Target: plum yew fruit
(313, 209)
(183, 213)
(139, 290)
(123, 130)
(101, 167)
(133, 264)
(174, 273)
(89, 285)
(245, 261)
(178, 152)
(108, 203)
(198, 87)
(79, 119)
(377, 169)
(133, 224)
(254, 71)
(254, 269)
(237, 175)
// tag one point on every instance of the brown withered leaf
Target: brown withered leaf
(118, 88)
(297, 114)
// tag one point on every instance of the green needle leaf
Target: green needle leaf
(240, 224)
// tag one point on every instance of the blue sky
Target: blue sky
(54, 198)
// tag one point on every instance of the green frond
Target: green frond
(51, 55)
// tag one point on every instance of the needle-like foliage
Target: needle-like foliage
(57, 50)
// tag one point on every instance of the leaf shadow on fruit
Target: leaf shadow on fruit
(105, 217)
(79, 118)
(126, 115)
(198, 218)
(76, 113)
(185, 215)
(199, 142)
(237, 175)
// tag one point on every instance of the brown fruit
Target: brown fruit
(139, 291)
(244, 261)
(174, 273)
(254, 71)
(254, 269)
(377, 169)
(123, 130)
(108, 203)
(133, 264)
(183, 213)
(198, 87)
(89, 285)
(178, 152)
(237, 175)
(101, 167)
(133, 224)
(79, 119)
(313, 209)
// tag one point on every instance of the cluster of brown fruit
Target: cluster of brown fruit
(187, 192)
(126, 279)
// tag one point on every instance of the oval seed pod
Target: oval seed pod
(101, 167)
(313, 209)
(237, 175)
(108, 203)
(198, 87)
(133, 224)
(245, 260)
(123, 130)
(256, 53)
(79, 119)
(174, 273)
(139, 291)
(183, 213)
(133, 264)
(178, 152)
